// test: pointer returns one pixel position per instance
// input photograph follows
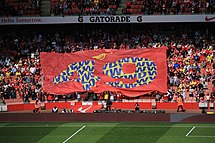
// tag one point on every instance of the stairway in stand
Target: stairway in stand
(122, 5)
(45, 8)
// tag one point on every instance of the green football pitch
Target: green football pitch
(106, 133)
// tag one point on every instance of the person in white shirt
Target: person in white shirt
(32, 70)
(55, 109)
(183, 93)
(71, 110)
(205, 85)
(64, 111)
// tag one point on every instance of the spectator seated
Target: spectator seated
(88, 7)
(190, 61)
(20, 8)
(149, 7)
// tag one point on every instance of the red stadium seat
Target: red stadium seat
(114, 7)
(132, 6)
(138, 2)
(135, 11)
(136, 6)
(131, 10)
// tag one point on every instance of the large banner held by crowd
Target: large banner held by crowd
(132, 72)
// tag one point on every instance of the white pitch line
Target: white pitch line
(190, 131)
(202, 136)
(74, 134)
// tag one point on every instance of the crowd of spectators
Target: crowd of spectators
(84, 7)
(107, 7)
(20, 7)
(146, 7)
(190, 60)
(149, 7)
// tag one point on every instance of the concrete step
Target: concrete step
(44, 14)
(119, 11)
(122, 5)
(45, 11)
(45, 2)
(124, 1)
(45, 8)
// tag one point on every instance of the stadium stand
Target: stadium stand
(190, 58)
(20, 8)
(149, 7)
(86, 7)
(104, 7)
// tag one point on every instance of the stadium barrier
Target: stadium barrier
(3, 108)
(206, 105)
(130, 111)
(203, 105)
(116, 105)
(211, 105)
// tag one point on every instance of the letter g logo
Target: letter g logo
(139, 19)
(80, 19)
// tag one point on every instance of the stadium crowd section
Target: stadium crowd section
(84, 7)
(190, 60)
(20, 8)
(150, 7)
(106, 7)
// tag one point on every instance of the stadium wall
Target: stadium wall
(104, 117)
(116, 105)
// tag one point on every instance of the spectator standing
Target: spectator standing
(2, 99)
(64, 110)
(78, 96)
(71, 110)
(106, 96)
(180, 104)
(104, 104)
(55, 109)
(109, 104)
(37, 107)
(137, 107)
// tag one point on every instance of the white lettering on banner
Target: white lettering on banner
(107, 19)
(87, 103)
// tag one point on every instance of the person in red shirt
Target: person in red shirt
(49, 98)
(128, 4)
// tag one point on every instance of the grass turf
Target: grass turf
(106, 133)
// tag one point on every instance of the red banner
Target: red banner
(132, 72)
